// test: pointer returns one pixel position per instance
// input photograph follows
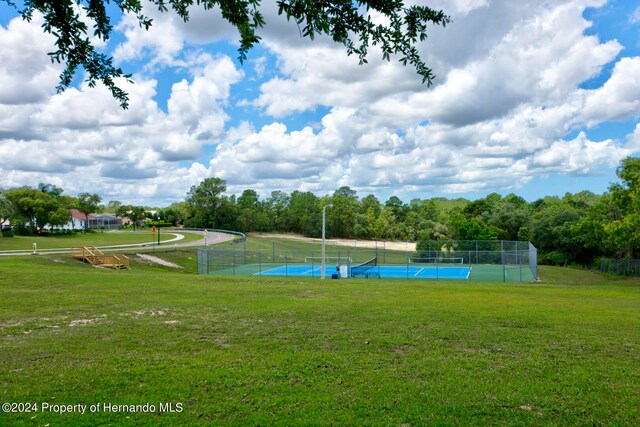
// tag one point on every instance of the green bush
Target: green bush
(158, 224)
(553, 258)
(22, 230)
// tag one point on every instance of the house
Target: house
(105, 221)
(78, 221)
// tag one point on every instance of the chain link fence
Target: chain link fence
(621, 267)
(496, 261)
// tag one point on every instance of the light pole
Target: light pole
(324, 212)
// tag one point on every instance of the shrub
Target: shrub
(553, 258)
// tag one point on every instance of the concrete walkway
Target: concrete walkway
(211, 238)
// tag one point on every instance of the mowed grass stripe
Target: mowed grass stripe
(249, 351)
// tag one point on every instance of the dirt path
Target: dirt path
(397, 246)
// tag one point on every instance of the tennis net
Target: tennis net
(362, 270)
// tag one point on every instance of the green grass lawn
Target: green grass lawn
(248, 351)
(89, 239)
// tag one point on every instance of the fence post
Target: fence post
(519, 265)
(313, 267)
(477, 252)
(384, 251)
(502, 252)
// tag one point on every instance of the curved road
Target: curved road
(211, 238)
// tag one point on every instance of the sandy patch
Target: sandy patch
(79, 322)
(139, 313)
(156, 260)
(395, 246)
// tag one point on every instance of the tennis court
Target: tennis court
(474, 261)
(382, 271)
(440, 272)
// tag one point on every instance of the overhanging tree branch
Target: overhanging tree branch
(350, 23)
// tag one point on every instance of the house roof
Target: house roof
(76, 214)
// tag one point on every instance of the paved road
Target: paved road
(211, 238)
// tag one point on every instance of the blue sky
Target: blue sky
(531, 98)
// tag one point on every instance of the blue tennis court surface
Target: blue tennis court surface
(416, 272)
(297, 270)
(385, 271)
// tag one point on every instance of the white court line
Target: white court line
(311, 271)
(259, 273)
(287, 273)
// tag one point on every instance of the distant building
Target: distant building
(78, 221)
(105, 221)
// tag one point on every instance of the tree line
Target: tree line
(574, 228)
(35, 210)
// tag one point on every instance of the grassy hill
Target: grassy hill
(248, 351)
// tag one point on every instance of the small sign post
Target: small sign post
(154, 230)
